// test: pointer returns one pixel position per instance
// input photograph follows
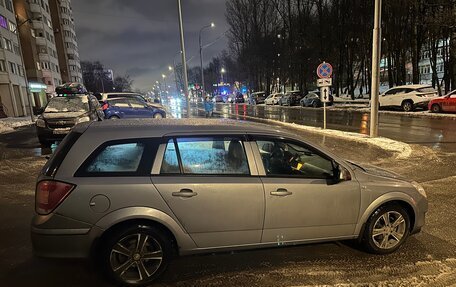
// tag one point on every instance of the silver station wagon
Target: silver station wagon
(133, 194)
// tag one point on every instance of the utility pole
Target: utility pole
(201, 56)
(376, 55)
(184, 62)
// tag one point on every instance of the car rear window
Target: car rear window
(429, 90)
(53, 164)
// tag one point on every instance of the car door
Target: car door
(304, 201)
(122, 108)
(211, 185)
(449, 103)
(140, 108)
(385, 99)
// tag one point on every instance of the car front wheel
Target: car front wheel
(136, 255)
(435, 108)
(158, 116)
(386, 230)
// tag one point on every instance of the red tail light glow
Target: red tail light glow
(49, 194)
(105, 106)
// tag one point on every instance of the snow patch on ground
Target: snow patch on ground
(9, 124)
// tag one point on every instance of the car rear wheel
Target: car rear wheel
(136, 255)
(435, 108)
(386, 230)
(407, 106)
(114, 118)
(158, 116)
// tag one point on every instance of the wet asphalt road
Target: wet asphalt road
(427, 259)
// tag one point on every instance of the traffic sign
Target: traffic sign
(324, 95)
(326, 82)
(324, 70)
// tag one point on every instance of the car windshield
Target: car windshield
(67, 104)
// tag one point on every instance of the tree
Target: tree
(95, 77)
(123, 83)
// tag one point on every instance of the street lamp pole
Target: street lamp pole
(27, 88)
(376, 55)
(184, 62)
(201, 55)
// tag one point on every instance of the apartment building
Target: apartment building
(65, 37)
(14, 101)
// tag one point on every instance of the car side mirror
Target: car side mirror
(38, 111)
(344, 174)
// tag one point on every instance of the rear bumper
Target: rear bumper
(75, 240)
(423, 105)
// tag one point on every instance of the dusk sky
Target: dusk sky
(141, 37)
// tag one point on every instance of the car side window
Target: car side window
(207, 156)
(135, 103)
(287, 159)
(120, 104)
(124, 157)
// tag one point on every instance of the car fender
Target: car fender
(184, 241)
(385, 198)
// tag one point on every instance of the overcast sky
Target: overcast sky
(141, 37)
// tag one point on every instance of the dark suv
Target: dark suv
(62, 113)
(291, 98)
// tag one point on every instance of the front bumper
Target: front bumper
(420, 215)
(45, 134)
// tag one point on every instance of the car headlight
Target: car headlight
(419, 188)
(40, 123)
(83, 120)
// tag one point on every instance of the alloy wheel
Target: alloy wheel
(389, 230)
(136, 257)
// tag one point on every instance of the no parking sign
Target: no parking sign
(324, 70)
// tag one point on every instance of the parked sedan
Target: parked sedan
(291, 98)
(408, 97)
(135, 193)
(273, 99)
(124, 108)
(312, 99)
(444, 104)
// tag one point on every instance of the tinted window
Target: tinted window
(282, 158)
(117, 158)
(392, 92)
(429, 90)
(170, 164)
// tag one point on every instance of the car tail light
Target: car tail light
(49, 194)
(105, 106)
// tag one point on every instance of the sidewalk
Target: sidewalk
(9, 124)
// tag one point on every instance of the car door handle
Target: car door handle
(187, 193)
(281, 192)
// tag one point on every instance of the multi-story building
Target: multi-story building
(38, 46)
(65, 37)
(14, 100)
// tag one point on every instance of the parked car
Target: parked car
(257, 98)
(291, 98)
(408, 97)
(133, 193)
(108, 96)
(312, 99)
(124, 108)
(446, 103)
(273, 99)
(63, 112)
(239, 98)
(219, 99)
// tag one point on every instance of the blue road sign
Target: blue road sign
(324, 70)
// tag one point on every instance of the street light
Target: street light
(184, 61)
(376, 54)
(170, 68)
(222, 72)
(23, 62)
(212, 25)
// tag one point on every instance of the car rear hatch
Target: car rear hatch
(427, 92)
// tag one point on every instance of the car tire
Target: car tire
(407, 106)
(122, 258)
(435, 108)
(158, 116)
(386, 230)
(114, 118)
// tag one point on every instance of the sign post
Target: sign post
(324, 73)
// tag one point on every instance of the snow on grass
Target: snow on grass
(9, 124)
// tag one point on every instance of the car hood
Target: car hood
(64, 115)
(377, 171)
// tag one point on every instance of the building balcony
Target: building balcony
(41, 41)
(35, 8)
